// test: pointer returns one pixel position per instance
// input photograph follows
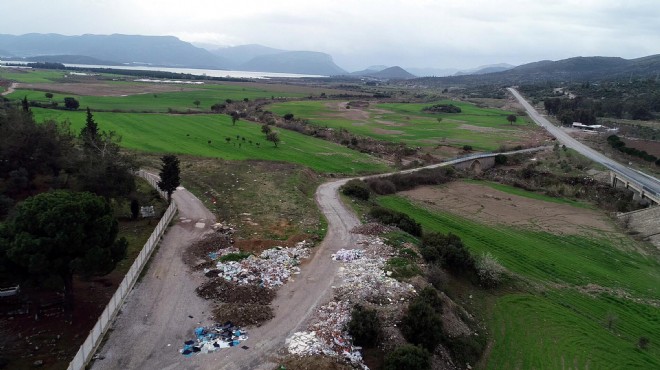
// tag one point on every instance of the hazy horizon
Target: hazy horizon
(411, 34)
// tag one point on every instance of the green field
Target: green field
(540, 330)
(189, 134)
(207, 95)
(482, 128)
(31, 76)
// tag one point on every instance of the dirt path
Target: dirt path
(155, 321)
(10, 89)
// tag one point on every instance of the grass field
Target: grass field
(482, 128)
(30, 76)
(189, 134)
(183, 100)
(560, 326)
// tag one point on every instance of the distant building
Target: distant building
(595, 128)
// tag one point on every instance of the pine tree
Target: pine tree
(169, 175)
(90, 132)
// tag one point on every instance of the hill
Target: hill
(305, 62)
(491, 68)
(70, 59)
(391, 73)
(565, 70)
(154, 50)
(238, 55)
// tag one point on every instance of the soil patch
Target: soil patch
(222, 291)
(103, 89)
(382, 131)
(484, 204)
(257, 246)
(474, 128)
(243, 314)
(339, 110)
(650, 146)
(196, 255)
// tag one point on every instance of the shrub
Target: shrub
(356, 189)
(400, 182)
(399, 219)
(465, 349)
(364, 327)
(288, 116)
(501, 159)
(422, 325)
(489, 271)
(448, 250)
(467, 148)
(234, 257)
(382, 187)
(442, 108)
(408, 357)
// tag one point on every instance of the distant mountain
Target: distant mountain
(481, 70)
(436, 72)
(154, 50)
(305, 62)
(566, 70)
(393, 73)
(238, 55)
(70, 59)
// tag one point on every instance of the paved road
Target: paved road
(650, 183)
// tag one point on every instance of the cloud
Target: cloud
(435, 33)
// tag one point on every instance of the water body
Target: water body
(192, 71)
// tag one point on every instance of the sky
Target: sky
(360, 33)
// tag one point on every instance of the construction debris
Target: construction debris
(211, 339)
(222, 291)
(346, 255)
(272, 268)
(243, 314)
(372, 228)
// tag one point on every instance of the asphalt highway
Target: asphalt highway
(647, 182)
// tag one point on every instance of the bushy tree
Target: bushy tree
(448, 250)
(408, 357)
(489, 270)
(364, 327)
(71, 103)
(511, 118)
(169, 175)
(356, 188)
(422, 325)
(60, 234)
(273, 137)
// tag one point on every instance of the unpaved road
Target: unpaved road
(10, 89)
(155, 321)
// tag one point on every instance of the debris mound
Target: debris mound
(222, 291)
(196, 255)
(243, 314)
(372, 228)
(214, 338)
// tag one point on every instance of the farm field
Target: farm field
(589, 297)
(482, 128)
(150, 97)
(190, 134)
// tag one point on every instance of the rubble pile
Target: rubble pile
(347, 255)
(222, 291)
(214, 338)
(243, 314)
(197, 255)
(272, 268)
(304, 343)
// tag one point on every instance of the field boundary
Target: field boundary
(93, 340)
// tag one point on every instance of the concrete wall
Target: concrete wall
(644, 221)
(476, 165)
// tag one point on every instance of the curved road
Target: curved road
(155, 322)
(651, 183)
(10, 89)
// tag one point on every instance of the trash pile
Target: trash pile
(362, 279)
(211, 339)
(372, 228)
(271, 269)
(327, 335)
(346, 255)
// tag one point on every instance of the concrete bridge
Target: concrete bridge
(642, 193)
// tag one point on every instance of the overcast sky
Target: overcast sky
(359, 33)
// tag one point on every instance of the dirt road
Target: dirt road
(155, 321)
(10, 89)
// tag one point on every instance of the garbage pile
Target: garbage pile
(372, 228)
(272, 268)
(327, 335)
(346, 255)
(211, 339)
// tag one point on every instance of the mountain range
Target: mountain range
(571, 69)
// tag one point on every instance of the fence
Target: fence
(95, 336)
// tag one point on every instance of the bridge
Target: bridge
(642, 193)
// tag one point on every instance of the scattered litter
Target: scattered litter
(211, 339)
(372, 228)
(347, 255)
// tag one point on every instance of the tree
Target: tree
(58, 234)
(49, 95)
(273, 137)
(25, 104)
(511, 118)
(135, 208)
(71, 103)
(197, 103)
(408, 357)
(266, 129)
(234, 118)
(89, 133)
(288, 116)
(364, 327)
(422, 325)
(169, 175)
